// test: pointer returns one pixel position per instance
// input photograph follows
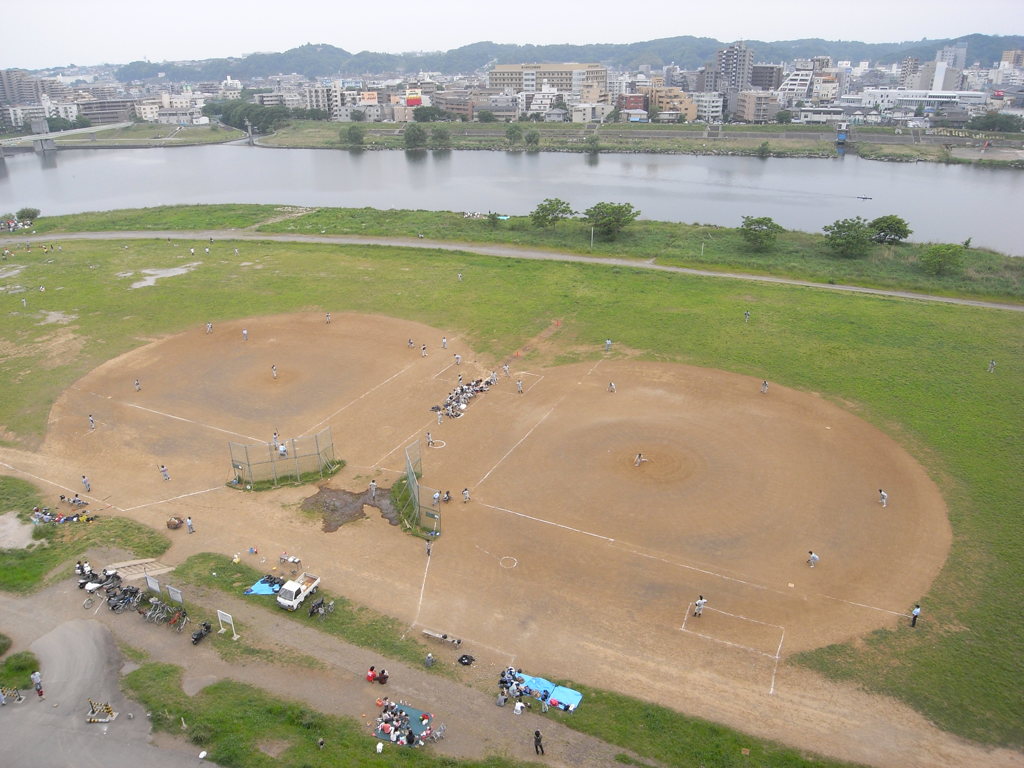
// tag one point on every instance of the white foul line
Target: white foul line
(530, 432)
(197, 423)
(353, 402)
(173, 498)
(55, 485)
(547, 522)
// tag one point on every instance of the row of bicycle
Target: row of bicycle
(121, 597)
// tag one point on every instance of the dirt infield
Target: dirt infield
(569, 560)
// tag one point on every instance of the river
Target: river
(942, 203)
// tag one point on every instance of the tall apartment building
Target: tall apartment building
(953, 55)
(796, 87)
(767, 77)
(565, 78)
(1013, 59)
(736, 63)
(909, 69)
(19, 87)
(328, 98)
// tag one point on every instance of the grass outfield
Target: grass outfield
(800, 255)
(916, 369)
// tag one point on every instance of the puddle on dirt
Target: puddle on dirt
(339, 507)
(152, 275)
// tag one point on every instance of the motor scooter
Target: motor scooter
(203, 631)
(108, 578)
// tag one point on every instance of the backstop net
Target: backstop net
(299, 459)
(415, 503)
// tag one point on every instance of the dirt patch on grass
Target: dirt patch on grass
(14, 534)
(274, 748)
(338, 507)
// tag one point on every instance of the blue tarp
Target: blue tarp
(566, 697)
(262, 588)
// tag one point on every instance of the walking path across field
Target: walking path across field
(502, 251)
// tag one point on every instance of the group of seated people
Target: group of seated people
(459, 397)
(511, 687)
(393, 723)
(44, 515)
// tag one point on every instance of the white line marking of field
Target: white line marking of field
(775, 669)
(404, 442)
(593, 368)
(530, 432)
(55, 485)
(353, 402)
(730, 643)
(547, 522)
(173, 498)
(864, 605)
(419, 603)
(438, 374)
(190, 421)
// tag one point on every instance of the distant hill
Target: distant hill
(323, 60)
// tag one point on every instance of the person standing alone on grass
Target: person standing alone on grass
(883, 498)
(991, 366)
(607, 345)
(327, 318)
(812, 558)
(538, 743)
(373, 490)
(698, 606)
(444, 342)
(209, 328)
(746, 316)
(914, 614)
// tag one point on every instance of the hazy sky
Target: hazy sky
(62, 32)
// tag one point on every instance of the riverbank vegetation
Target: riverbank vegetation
(916, 369)
(800, 255)
(816, 141)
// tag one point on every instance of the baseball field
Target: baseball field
(571, 556)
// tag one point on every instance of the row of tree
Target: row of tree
(852, 238)
(237, 113)
(607, 219)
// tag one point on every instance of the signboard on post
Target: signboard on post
(175, 594)
(225, 618)
(153, 584)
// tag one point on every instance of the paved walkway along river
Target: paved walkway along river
(502, 251)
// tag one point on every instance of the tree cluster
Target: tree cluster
(63, 124)
(263, 119)
(607, 219)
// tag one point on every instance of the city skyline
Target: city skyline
(84, 34)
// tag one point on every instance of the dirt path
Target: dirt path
(476, 728)
(502, 251)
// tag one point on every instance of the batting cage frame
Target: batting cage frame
(299, 459)
(417, 517)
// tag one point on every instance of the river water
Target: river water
(941, 203)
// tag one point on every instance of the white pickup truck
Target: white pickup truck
(292, 594)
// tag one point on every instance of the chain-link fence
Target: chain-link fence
(299, 459)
